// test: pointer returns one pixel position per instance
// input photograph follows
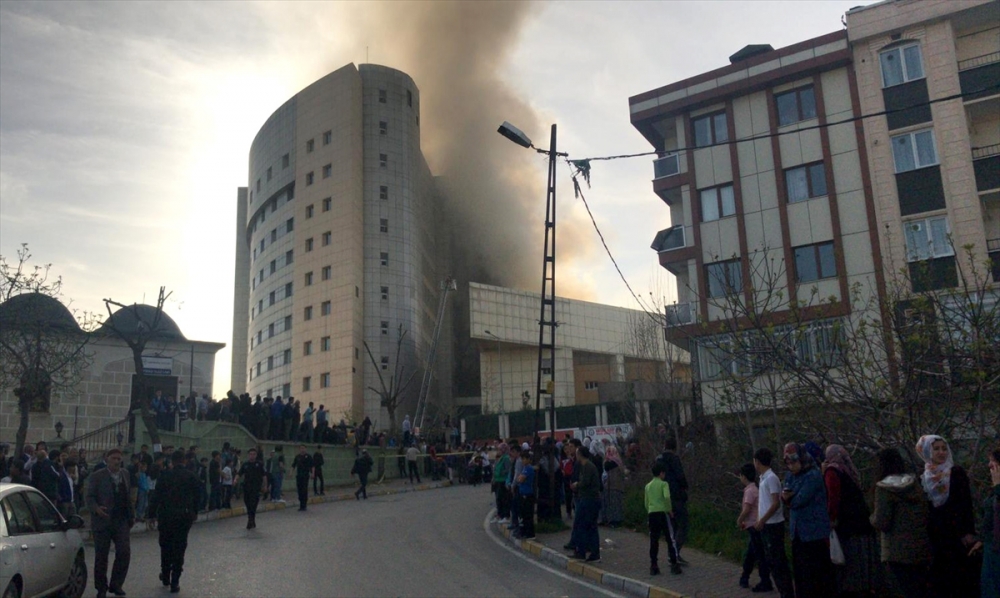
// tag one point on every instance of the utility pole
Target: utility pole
(547, 320)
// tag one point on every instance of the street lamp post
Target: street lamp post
(500, 361)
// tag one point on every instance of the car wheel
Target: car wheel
(12, 591)
(77, 582)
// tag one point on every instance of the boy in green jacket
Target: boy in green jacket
(657, 500)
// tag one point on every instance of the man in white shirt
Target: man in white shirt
(771, 524)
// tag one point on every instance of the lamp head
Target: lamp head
(514, 134)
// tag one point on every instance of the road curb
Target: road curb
(632, 587)
(272, 506)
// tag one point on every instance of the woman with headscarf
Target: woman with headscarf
(900, 516)
(614, 488)
(805, 495)
(952, 521)
(849, 517)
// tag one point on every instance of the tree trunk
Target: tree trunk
(148, 418)
(24, 406)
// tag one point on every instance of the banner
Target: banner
(157, 366)
(599, 433)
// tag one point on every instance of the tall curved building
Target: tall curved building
(336, 247)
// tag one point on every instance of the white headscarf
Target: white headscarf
(936, 479)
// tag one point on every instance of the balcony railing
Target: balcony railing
(993, 245)
(986, 151)
(666, 166)
(669, 239)
(680, 314)
(971, 63)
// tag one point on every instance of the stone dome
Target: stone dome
(37, 310)
(138, 317)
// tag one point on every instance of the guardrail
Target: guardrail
(977, 61)
(110, 436)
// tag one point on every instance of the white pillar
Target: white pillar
(618, 369)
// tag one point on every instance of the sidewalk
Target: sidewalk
(333, 494)
(624, 566)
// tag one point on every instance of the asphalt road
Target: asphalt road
(429, 543)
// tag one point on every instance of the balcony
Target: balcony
(673, 248)
(669, 174)
(978, 76)
(665, 166)
(986, 164)
(680, 314)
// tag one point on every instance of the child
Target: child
(476, 470)
(746, 521)
(660, 509)
(227, 486)
(526, 490)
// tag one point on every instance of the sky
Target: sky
(125, 127)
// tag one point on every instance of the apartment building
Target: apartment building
(762, 170)
(933, 69)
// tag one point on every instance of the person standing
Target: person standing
(771, 525)
(526, 489)
(227, 486)
(303, 465)
(678, 492)
(111, 520)
(319, 486)
(500, 472)
(614, 488)
(407, 430)
(175, 508)
(254, 483)
(586, 539)
(411, 462)
(215, 481)
(805, 495)
(659, 510)
(276, 469)
(44, 476)
(746, 521)
(989, 532)
(362, 467)
(307, 423)
(850, 518)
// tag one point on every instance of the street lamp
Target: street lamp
(59, 429)
(500, 361)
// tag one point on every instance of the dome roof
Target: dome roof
(139, 317)
(37, 309)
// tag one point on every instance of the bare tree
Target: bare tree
(42, 344)
(389, 394)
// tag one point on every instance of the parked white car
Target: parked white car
(41, 553)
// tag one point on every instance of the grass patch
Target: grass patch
(550, 527)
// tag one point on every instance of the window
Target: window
(258, 185)
(270, 330)
(310, 210)
(324, 343)
(288, 289)
(310, 145)
(327, 137)
(927, 239)
(289, 225)
(383, 192)
(284, 161)
(286, 357)
(286, 389)
(262, 244)
(911, 151)
(382, 96)
(262, 275)
(274, 266)
(306, 383)
(271, 298)
(260, 336)
(385, 362)
(717, 202)
(309, 244)
(357, 291)
(384, 258)
(383, 160)
(409, 98)
(724, 278)
(383, 127)
(269, 173)
(385, 293)
(274, 235)
(309, 279)
(307, 348)
(325, 308)
(324, 380)
(383, 225)
(327, 202)
(270, 362)
(796, 105)
(710, 129)
(805, 182)
(328, 171)
(18, 513)
(307, 313)
(327, 272)
(357, 353)
(590, 385)
(309, 178)
(814, 262)
(258, 368)
(327, 238)
(385, 327)
(289, 256)
(900, 65)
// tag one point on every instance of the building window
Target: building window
(724, 278)
(284, 161)
(307, 313)
(274, 235)
(327, 137)
(262, 244)
(290, 225)
(717, 202)
(309, 178)
(310, 145)
(309, 279)
(273, 266)
(306, 383)
(385, 293)
(309, 244)
(805, 182)
(324, 380)
(796, 105)
(288, 289)
(286, 357)
(383, 225)
(258, 368)
(286, 390)
(409, 98)
(307, 348)
(385, 327)
(270, 299)
(270, 362)
(310, 210)
(590, 385)
(711, 129)
(382, 96)
(384, 258)
(327, 202)
(383, 192)
(814, 262)
(327, 238)
(385, 362)
(258, 185)
(911, 151)
(357, 291)
(270, 330)
(900, 65)
(927, 239)
(260, 336)
(383, 160)
(325, 308)
(289, 256)
(357, 353)
(269, 173)
(260, 306)
(327, 272)
(324, 343)
(383, 127)
(328, 171)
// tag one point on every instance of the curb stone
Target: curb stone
(264, 507)
(632, 587)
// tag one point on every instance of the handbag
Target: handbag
(836, 551)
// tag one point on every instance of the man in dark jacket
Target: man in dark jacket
(303, 465)
(362, 467)
(585, 537)
(319, 487)
(44, 476)
(175, 506)
(254, 482)
(112, 518)
(678, 492)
